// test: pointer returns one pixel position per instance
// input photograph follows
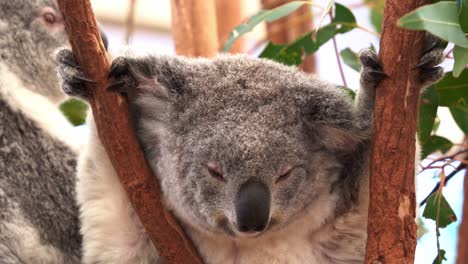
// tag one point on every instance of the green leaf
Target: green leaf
(460, 115)
(440, 257)
(294, 53)
(463, 14)
(351, 59)
(461, 59)
(263, 15)
(325, 11)
(75, 111)
(439, 210)
(376, 20)
(453, 91)
(427, 113)
(440, 19)
(435, 143)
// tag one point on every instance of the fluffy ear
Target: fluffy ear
(339, 138)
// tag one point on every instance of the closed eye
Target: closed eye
(215, 172)
(287, 174)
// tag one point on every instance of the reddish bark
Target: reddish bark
(289, 28)
(462, 253)
(229, 15)
(194, 27)
(391, 226)
(110, 112)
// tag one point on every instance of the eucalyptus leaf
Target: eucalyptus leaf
(75, 111)
(439, 210)
(453, 91)
(460, 115)
(376, 20)
(351, 59)
(461, 59)
(427, 113)
(435, 143)
(295, 52)
(463, 14)
(263, 15)
(440, 19)
(440, 257)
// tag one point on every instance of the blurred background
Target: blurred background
(144, 26)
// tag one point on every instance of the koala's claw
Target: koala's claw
(372, 72)
(122, 76)
(73, 80)
(433, 55)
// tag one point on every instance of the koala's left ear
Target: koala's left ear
(337, 138)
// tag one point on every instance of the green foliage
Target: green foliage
(75, 111)
(427, 113)
(440, 257)
(453, 91)
(262, 15)
(435, 143)
(460, 115)
(351, 59)
(439, 210)
(376, 13)
(294, 53)
(445, 20)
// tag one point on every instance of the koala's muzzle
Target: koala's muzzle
(252, 207)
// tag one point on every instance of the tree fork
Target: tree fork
(115, 131)
(391, 224)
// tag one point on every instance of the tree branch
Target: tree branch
(114, 127)
(391, 226)
(194, 27)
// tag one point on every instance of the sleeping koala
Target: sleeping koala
(260, 162)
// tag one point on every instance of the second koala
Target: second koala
(260, 162)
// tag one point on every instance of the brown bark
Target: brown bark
(391, 225)
(194, 27)
(229, 15)
(115, 131)
(289, 28)
(462, 254)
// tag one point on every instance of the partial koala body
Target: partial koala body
(38, 211)
(260, 163)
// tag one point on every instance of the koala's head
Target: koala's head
(243, 145)
(30, 31)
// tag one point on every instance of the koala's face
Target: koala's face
(30, 32)
(245, 146)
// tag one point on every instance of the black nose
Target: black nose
(252, 207)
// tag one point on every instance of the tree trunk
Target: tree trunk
(462, 253)
(391, 224)
(115, 130)
(229, 15)
(194, 27)
(287, 29)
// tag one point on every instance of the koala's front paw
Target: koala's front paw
(72, 79)
(122, 76)
(432, 55)
(371, 72)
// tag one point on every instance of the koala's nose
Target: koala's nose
(252, 207)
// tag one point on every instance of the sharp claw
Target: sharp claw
(84, 79)
(379, 74)
(115, 86)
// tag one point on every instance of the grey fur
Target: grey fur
(253, 118)
(38, 212)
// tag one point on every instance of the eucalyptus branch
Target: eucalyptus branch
(337, 54)
(459, 168)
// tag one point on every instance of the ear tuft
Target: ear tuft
(339, 138)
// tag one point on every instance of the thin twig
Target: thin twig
(337, 53)
(444, 158)
(130, 23)
(459, 168)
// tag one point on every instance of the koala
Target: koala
(260, 163)
(38, 213)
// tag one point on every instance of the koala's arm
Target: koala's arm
(372, 73)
